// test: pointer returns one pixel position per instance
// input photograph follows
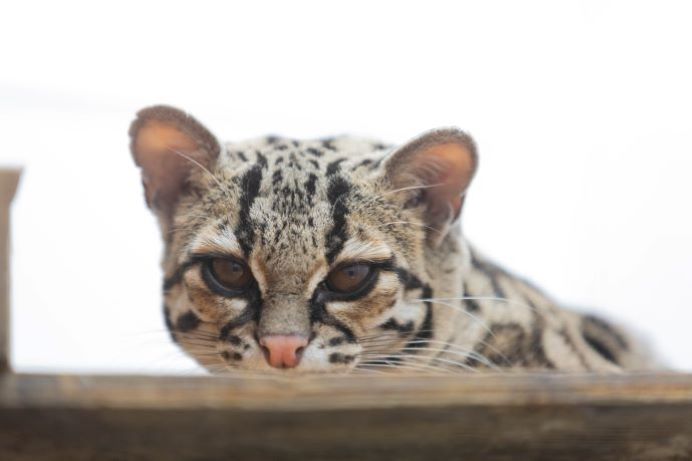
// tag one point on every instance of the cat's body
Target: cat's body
(341, 254)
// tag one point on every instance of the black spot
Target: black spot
(187, 322)
(277, 177)
(272, 139)
(341, 358)
(365, 162)
(233, 339)
(237, 356)
(261, 160)
(241, 156)
(337, 341)
(471, 305)
(329, 144)
(310, 184)
(315, 152)
(314, 163)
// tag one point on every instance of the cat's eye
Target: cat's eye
(350, 278)
(229, 274)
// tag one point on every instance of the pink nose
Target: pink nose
(283, 351)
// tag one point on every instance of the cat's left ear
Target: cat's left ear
(168, 144)
(434, 171)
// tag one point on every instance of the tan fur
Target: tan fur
(295, 210)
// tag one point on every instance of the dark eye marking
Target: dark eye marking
(403, 329)
(250, 313)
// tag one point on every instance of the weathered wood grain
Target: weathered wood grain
(8, 185)
(533, 417)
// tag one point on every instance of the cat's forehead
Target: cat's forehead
(288, 153)
(295, 175)
(292, 196)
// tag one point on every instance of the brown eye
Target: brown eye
(230, 274)
(347, 279)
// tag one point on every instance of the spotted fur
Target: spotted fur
(294, 209)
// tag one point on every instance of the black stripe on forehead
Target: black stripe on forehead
(334, 167)
(337, 194)
(250, 185)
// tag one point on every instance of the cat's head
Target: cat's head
(307, 256)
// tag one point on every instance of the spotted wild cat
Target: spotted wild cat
(340, 254)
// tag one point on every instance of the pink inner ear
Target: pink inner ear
(448, 168)
(160, 149)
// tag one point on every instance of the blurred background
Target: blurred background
(582, 111)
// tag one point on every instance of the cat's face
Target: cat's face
(302, 256)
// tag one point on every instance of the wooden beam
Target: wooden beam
(484, 416)
(8, 185)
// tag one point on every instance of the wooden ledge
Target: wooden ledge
(341, 392)
(484, 417)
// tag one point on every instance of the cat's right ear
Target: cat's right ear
(434, 171)
(167, 144)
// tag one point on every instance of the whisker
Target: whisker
(417, 365)
(202, 167)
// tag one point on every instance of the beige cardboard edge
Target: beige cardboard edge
(9, 179)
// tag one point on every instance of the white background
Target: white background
(582, 111)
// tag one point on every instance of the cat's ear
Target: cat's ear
(434, 171)
(167, 144)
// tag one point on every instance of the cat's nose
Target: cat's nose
(283, 351)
